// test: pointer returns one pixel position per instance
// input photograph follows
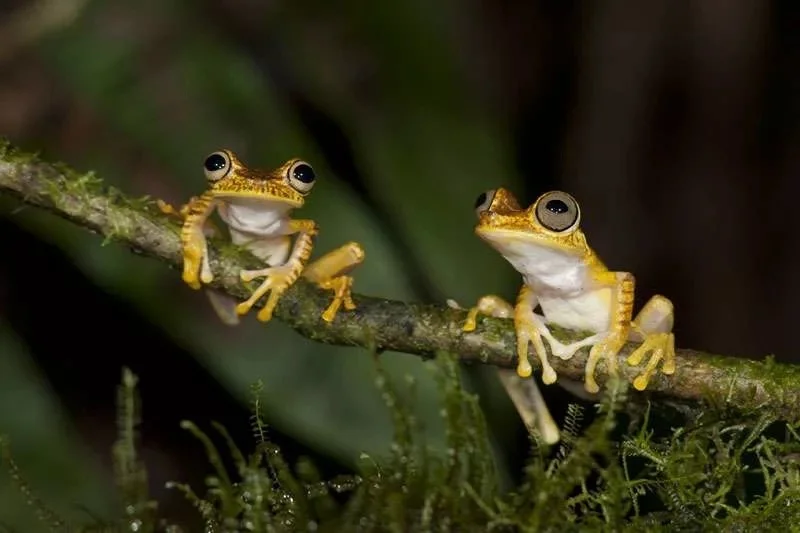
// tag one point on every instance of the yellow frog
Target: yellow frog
(255, 205)
(572, 286)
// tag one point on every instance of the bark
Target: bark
(377, 323)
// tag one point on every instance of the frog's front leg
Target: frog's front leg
(524, 393)
(330, 272)
(196, 267)
(210, 229)
(281, 277)
(529, 329)
(611, 343)
(653, 328)
(179, 213)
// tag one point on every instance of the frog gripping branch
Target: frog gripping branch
(255, 205)
(574, 289)
(745, 385)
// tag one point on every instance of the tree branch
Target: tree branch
(377, 323)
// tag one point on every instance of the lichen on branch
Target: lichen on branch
(377, 323)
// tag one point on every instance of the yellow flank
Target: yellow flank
(570, 283)
(256, 205)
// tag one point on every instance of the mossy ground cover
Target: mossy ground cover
(627, 469)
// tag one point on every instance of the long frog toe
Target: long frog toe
(244, 307)
(661, 347)
(472, 319)
(342, 296)
(192, 264)
(527, 334)
(278, 279)
(265, 313)
(166, 208)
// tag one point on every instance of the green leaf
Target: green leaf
(52, 460)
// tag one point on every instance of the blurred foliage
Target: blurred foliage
(399, 108)
(179, 102)
(54, 459)
(158, 89)
(697, 477)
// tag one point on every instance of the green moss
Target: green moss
(652, 470)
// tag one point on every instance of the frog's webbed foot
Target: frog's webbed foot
(328, 272)
(653, 326)
(530, 329)
(524, 393)
(662, 346)
(277, 280)
(168, 209)
(342, 296)
(196, 267)
(607, 350)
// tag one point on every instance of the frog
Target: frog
(256, 205)
(574, 289)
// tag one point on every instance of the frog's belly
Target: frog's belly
(589, 311)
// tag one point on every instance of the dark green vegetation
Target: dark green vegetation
(711, 472)
(407, 110)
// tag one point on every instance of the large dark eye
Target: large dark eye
(301, 176)
(483, 201)
(216, 166)
(557, 211)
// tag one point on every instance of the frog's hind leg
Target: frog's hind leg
(530, 404)
(653, 328)
(330, 272)
(224, 305)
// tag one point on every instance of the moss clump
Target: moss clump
(712, 471)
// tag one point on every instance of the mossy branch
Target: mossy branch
(414, 328)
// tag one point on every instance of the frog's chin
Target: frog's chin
(261, 217)
(525, 243)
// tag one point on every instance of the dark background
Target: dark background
(675, 124)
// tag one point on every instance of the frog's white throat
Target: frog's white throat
(549, 271)
(255, 217)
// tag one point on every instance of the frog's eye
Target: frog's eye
(483, 201)
(217, 166)
(557, 211)
(301, 176)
